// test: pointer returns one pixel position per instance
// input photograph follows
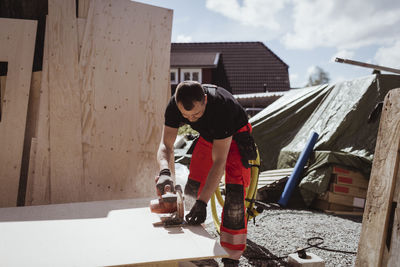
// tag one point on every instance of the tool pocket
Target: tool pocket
(247, 147)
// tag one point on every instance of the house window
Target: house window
(191, 75)
(174, 76)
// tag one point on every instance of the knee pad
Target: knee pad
(234, 209)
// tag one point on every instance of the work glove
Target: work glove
(198, 213)
(164, 182)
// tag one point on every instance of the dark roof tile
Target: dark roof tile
(248, 65)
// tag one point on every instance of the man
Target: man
(219, 118)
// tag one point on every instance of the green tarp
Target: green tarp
(275, 126)
(343, 116)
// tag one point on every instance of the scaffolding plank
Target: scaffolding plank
(103, 233)
(381, 185)
(66, 163)
(17, 42)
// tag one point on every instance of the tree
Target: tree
(317, 77)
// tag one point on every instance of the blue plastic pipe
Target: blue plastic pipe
(298, 169)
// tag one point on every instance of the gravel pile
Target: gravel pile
(278, 233)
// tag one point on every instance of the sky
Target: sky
(303, 33)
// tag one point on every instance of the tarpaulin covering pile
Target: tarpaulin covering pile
(346, 117)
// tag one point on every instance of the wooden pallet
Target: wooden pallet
(380, 236)
(271, 178)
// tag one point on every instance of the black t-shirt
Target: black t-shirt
(222, 118)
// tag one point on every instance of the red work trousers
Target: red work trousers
(237, 178)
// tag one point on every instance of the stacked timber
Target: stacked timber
(347, 192)
(94, 122)
(272, 178)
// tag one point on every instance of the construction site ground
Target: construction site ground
(279, 232)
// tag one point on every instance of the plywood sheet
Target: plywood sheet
(38, 182)
(17, 42)
(81, 23)
(125, 73)
(381, 185)
(97, 234)
(66, 164)
(83, 8)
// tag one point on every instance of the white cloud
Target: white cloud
(342, 23)
(293, 77)
(308, 24)
(258, 13)
(311, 70)
(183, 38)
(346, 54)
(389, 56)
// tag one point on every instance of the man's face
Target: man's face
(196, 112)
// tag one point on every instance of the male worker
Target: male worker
(224, 130)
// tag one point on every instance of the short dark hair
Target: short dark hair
(188, 92)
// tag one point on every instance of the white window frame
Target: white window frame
(176, 76)
(191, 74)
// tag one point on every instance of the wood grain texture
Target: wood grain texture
(125, 74)
(83, 8)
(30, 131)
(392, 258)
(103, 233)
(381, 185)
(31, 172)
(66, 170)
(81, 24)
(38, 182)
(17, 42)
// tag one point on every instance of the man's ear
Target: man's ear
(205, 99)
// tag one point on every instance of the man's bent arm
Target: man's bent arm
(219, 155)
(166, 149)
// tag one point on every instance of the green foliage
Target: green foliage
(318, 77)
(186, 129)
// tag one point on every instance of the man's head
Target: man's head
(191, 100)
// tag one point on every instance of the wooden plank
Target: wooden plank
(343, 200)
(349, 173)
(31, 171)
(275, 178)
(277, 171)
(83, 8)
(17, 42)
(66, 170)
(347, 190)
(103, 233)
(382, 183)
(2, 89)
(81, 24)
(38, 183)
(346, 180)
(325, 205)
(392, 258)
(125, 72)
(30, 131)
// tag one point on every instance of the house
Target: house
(239, 67)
